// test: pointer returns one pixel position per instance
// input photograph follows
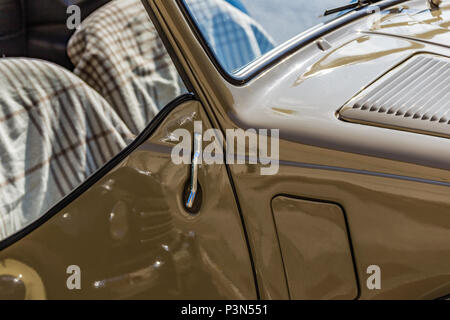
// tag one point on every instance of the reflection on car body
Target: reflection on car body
(358, 207)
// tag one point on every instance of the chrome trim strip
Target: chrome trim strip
(363, 172)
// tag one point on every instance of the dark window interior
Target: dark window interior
(37, 28)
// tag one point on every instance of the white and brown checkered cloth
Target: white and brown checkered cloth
(118, 52)
(55, 131)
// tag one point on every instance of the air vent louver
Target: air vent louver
(415, 96)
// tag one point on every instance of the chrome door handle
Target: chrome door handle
(194, 169)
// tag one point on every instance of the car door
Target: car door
(126, 232)
(353, 211)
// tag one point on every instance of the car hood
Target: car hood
(416, 21)
(303, 94)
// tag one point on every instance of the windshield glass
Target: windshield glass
(284, 19)
(240, 31)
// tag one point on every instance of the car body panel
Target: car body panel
(316, 249)
(131, 237)
(429, 26)
(392, 185)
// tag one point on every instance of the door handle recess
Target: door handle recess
(193, 186)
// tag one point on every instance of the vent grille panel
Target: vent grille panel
(414, 97)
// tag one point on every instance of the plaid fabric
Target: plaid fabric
(55, 131)
(234, 37)
(118, 52)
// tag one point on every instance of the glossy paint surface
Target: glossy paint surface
(316, 249)
(131, 237)
(430, 26)
(393, 186)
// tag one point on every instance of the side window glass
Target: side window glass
(61, 122)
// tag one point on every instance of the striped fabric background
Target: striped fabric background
(118, 52)
(55, 131)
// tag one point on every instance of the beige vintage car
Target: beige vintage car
(338, 185)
